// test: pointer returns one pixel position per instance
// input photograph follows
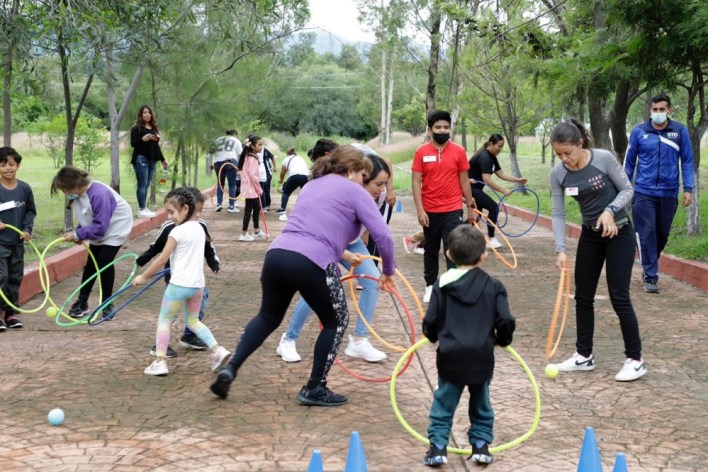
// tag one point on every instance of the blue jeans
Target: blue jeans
(202, 310)
(144, 172)
(442, 411)
(367, 303)
(229, 173)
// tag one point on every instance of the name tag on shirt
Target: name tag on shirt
(571, 191)
(430, 158)
(7, 205)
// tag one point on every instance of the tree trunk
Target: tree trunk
(382, 121)
(6, 101)
(618, 118)
(598, 124)
(389, 99)
(696, 131)
(436, 20)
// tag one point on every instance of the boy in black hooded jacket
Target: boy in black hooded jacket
(468, 315)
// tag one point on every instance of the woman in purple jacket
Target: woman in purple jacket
(328, 215)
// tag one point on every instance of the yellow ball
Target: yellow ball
(551, 371)
(52, 312)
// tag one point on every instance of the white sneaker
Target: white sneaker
(576, 362)
(233, 210)
(247, 237)
(364, 350)
(157, 368)
(218, 357)
(428, 294)
(287, 350)
(631, 370)
(494, 243)
(218, 208)
(419, 250)
(283, 217)
(146, 213)
(260, 235)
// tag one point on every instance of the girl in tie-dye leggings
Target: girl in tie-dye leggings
(185, 250)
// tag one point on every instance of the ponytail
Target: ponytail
(571, 131)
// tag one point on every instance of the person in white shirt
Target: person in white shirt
(226, 151)
(185, 251)
(298, 173)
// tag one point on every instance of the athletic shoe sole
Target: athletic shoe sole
(192, 346)
(309, 402)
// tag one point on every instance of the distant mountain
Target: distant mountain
(329, 42)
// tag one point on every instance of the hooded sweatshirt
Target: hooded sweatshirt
(468, 315)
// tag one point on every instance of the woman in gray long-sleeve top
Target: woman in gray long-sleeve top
(596, 180)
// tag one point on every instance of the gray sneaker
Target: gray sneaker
(651, 287)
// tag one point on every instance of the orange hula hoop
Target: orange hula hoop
(504, 260)
(564, 282)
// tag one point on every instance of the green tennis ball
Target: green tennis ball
(52, 312)
(551, 371)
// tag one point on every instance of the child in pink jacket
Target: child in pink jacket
(250, 187)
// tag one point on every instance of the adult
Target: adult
(439, 183)
(297, 173)
(657, 148)
(327, 215)
(483, 164)
(227, 150)
(144, 137)
(595, 179)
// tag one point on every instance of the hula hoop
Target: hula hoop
(499, 448)
(501, 203)
(410, 321)
(405, 282)
(218, 179)
(533, 223)
(564, 281)
(43, 278)
(352, 292)
(86, 318)
(486, 238)
(110, 316)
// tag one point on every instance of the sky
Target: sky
(340, 18)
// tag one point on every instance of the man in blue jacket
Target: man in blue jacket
(656, 150)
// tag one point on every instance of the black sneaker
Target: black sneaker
(280, 211)
(218, 208)
(481, 454)
(436, 456)
(222, 382)
(169, 354)
(12, 322)
(651, 287)
(79, 310)
(2, 325)
(320, 396)
(191, 341)
(107, 313)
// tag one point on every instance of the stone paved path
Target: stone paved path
(118, 419)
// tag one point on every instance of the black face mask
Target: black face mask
(441, 138)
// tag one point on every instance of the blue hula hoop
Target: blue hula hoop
(535, 219)
(112, 315)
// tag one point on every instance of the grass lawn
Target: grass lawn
(529, 156)
(38, 170)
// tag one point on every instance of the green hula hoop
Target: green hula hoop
(43, 278)
(85, 319)
(423, 439)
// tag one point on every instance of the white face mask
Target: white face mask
(659, 118)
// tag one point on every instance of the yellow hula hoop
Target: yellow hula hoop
(43, 274)
(405, 282)
(564, 281)
(504, 260)
(499, 448)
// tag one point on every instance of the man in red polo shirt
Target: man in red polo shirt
(439, 183)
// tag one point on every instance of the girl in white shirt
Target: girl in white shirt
(185, 251)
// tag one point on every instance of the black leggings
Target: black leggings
(287, 272)
(253, 207)
(485, 202)
(104, 255)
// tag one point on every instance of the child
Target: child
(468, 314)
(250, 187)
(104, 218)
(185, 251)
(16, 209)
(188, 339)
